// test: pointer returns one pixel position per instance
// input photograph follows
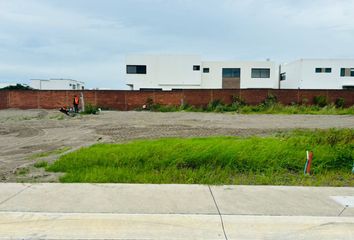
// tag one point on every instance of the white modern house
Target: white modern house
(168, 72)
(317, 74)
(56, 84)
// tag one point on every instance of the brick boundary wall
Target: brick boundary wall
(129, 100)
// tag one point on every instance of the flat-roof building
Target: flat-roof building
(168, 72)
(56, 84)
(317, 74)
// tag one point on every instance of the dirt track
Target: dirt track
(25, 133)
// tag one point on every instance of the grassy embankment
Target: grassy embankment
(261, 109)
(276, 160)
(270, 105)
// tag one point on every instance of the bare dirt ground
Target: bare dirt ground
(26, 133)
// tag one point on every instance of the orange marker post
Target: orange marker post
(308, 168)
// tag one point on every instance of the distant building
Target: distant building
(168, 72)
(56, 84)
(318, 74)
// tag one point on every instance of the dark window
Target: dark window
(231, 72)
(136, 69)
(205, 70)
(347, 72)
(282, 76)
(342, 72)
(323, 70)
(260, 73)
(196, 68)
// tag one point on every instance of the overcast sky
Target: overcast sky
(87, 40)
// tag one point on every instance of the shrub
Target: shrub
(216, 104)
(270, 100)
(339, 102)
(91, 109)
(320, 101)
(17, 87)
(304, 101)
(236, 100)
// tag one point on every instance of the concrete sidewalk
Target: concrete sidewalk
(146, 211)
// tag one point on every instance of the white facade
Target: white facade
(56, 84)
(168, 72)
(318, 74)
(214, 78)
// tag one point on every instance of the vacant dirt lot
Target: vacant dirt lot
(26, 134)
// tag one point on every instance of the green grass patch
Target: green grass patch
(49, 153)
(41, 164)
(275, 160)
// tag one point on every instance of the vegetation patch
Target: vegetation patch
(270, 105)
(91, 109)
(41, 164)
(275, 160)
(22, 171)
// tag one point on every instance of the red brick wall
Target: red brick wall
(3, 99)
(128, 100)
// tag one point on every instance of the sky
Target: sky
(88, 40)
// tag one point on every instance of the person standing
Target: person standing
(76, 104)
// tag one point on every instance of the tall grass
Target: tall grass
(218, 160)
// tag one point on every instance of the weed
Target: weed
(320, 101)
(22, 171)
(339, 102)
(41, 164)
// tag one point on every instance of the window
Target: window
(347, 72)
(282, 76)
(136, 69)
(231, 72)
(196, 68)
(260, 73)
(323, 70)
(205, 70)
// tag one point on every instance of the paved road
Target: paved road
(136, 211)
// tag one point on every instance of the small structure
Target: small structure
(166, 72)
(317, 74)
(56, 84)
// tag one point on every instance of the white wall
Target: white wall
(213, 79)
(301, 74)
(176, 71)
(56, 84)
(293, 75)
(165, 71)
